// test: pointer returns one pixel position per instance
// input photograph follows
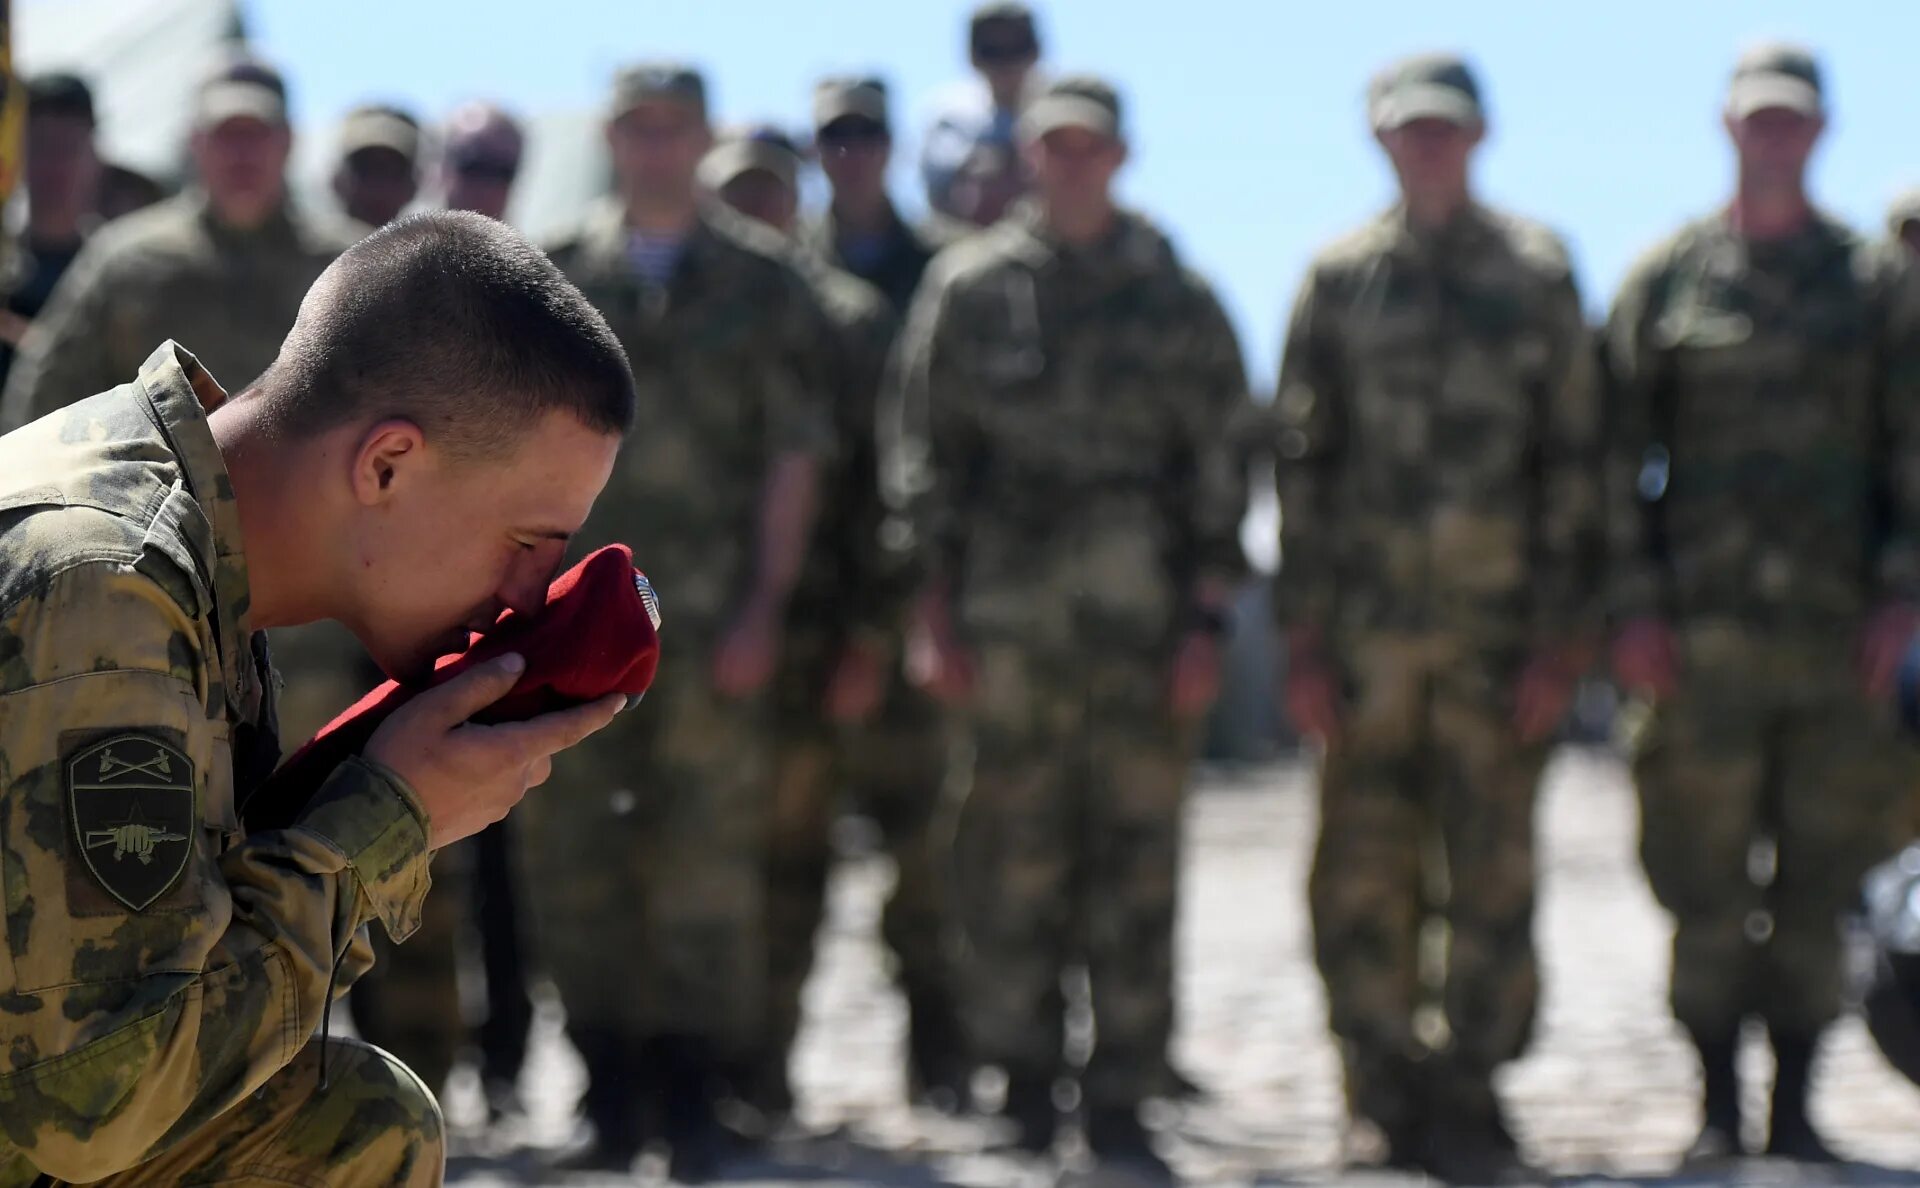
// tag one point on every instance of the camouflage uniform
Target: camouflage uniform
(1764, 478)
(157, 998)
(1437, 446)
(647, 854)
(1062, 442)
(895, 269)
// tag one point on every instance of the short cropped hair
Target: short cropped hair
(457, 323)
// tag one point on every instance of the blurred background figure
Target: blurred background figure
(861, 230)
(62, 173)
(1438, 599)
(124, 189)
(378, 176)
(480, 153)
(1765, 578)
(1003, 44)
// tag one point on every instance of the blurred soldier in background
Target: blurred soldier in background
(63, 178)
(223, 266)
(648, 868)
(842, 648)
(1437, 441)
(1903, 220)
(861, 230)
(1061, 440)
(479, 159)
(379, 171)
(1003, 43)
(1765, 532)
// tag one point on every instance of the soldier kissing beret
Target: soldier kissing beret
(599, 633)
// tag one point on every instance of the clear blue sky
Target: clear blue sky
(1247, 115)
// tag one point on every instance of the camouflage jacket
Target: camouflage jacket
(170, 271)
(1059, 434)
(1437, 436)
(1764, 449)
(732, 363)
(160, 962)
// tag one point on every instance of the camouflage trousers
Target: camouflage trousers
(1067, 856)
(1426, 817)
(646, 866)
(374, 1126)
(1768, 785)
(893, 771)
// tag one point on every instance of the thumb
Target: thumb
(472, 691)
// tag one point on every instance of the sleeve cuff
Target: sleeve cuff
(368, 813)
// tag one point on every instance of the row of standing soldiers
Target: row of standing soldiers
(879, 467)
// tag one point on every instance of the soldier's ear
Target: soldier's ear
(389, 451)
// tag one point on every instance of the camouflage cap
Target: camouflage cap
(848, 95)
(1905, 209)
(1001, 12)
(62, 94)
(747, 148)
(1427, 86)
(645, 82)
(1074, 101)
(378, 125)
(1776, 74)
(241, 88)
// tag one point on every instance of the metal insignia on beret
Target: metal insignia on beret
(130, 803)
(648, 598)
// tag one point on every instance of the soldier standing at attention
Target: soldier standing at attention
(1061, 440)
(1764, 488)
(436, 426)
(1437, 445)
(649, 879)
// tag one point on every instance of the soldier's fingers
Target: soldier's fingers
(472, 691)
(548, 733)
(539, 771)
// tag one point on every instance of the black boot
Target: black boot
(1719, 1138)
(1791, 1134)
(939, 1068)
(614, 1101)
(1116, 1137)
(1391, 1093)
(1466, 1139)
(1030, 1106)
(697, 1143)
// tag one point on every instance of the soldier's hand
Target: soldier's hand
(468, 776)
(1312, 692)
(1543, 693)
(1196, 674)
(1646, 658)
(858, 683)
(1884, 645)
(748, 653)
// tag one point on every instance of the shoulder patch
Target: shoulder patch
(130, 806)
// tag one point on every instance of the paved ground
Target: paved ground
(1607, 1093)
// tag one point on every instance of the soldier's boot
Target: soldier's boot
(1029, 1105)
(615, 1099)
(697, 1142)
(764, 1085)
(1391, 1094)
(1466, 1139)
(1120, 1142)
(1791, 1134)
(1719, 1138)
(939, 1066)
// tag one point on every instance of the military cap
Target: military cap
(1905, 209)
(241, 87)
(1003, 30)
(60, 93)
(645, 82)
(848, 95)
(745, 149)
(1074, 101)
(1426, 86)
(1007, 12)
(1776, 74)
(378, 125)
